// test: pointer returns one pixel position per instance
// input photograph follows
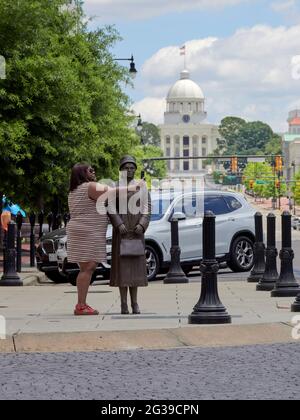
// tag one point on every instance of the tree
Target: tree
(230, 129)
(61, 101)
(264, 183)
(249, 138)
(159, 168)
(296, 188)
(274, 146)
(150, 134)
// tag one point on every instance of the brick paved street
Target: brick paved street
(253, 372)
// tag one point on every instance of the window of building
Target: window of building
(177, 152)
(195, 141)
(204, 139)
(177, 165)
(204, 152)
(168, 151)
(169, 165)
(168, 139)
(186, 153)
(186, 141)
(177, 140)
(195, 165)
(186, 166)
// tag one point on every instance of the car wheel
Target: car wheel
(56, 277)
(152, 261)
(241, 255)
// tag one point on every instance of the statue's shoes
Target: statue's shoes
(135, 309)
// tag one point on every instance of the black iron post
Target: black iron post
(259, 251)
(270, 276)
(175, 274)
(19, 220)
(286, 286)
(32, 239)
(296, 305)
(4, 249)
(209, 309)
(58, 221)
(66, 218)
(50, 220)
(41, 222)
(54, 221)
(10, 276)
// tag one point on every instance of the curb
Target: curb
(33, 279)
(191, 336)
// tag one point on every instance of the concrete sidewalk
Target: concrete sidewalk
(41, 318)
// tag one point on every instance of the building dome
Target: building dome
(185, 88)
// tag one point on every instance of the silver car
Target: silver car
(235, 231)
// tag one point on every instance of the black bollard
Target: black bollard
(50, 221)
(41, 222)
(270, 276)
(54, 222)
(66, 218)
(32, 239)
(4, 249)
(296, 305)
(58, 221)
(19, 220)
(286, 285)
(259, 251)
(209, 309)
(175, 274)
(10, 276)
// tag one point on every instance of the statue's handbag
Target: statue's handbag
(131, 248)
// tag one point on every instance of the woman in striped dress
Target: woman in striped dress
(86, 231)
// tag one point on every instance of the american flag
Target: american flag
(182, 50)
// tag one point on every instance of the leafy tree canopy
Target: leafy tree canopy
(61, 102)
(249, 138)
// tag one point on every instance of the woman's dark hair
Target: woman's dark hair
(79, 175)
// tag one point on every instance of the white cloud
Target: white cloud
(115, 10)
(249, 74)
(151, 109)
(283, 6)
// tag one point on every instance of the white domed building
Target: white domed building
(185, 132)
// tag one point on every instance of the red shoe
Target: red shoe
(84, 310)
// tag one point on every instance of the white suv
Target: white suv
(235, 232)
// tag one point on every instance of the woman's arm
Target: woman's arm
(95, 189)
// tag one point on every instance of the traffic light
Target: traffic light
(251, 184)
(234, 164)
(278, 184)
(278, 163)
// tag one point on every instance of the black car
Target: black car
(57, 271)
(46, 255)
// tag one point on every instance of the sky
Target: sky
(244, 54)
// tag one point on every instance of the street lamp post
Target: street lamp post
(294, 179)
(132, 69)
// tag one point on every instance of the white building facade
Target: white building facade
(291, 141)
(185, 132)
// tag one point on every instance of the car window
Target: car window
(191, 206)
(159, 208)
(216, 204)
(232, 203)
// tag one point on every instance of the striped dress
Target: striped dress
(86, 231)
